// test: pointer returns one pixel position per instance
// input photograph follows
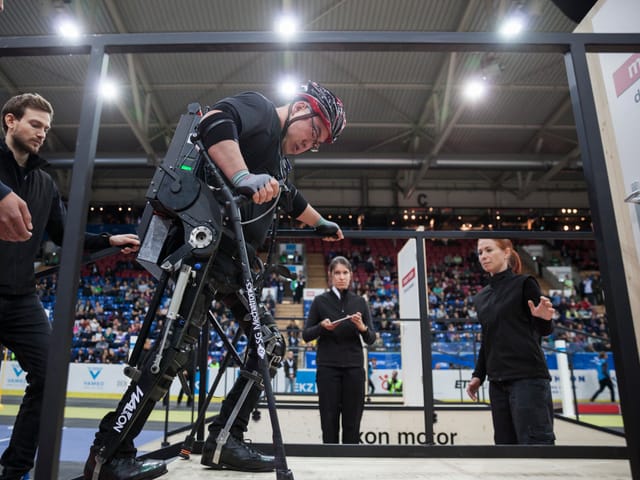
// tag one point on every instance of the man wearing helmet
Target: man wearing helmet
(248, 138)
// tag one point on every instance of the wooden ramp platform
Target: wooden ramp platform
(313, 468)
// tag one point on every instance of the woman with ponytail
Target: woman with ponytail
(514, 317)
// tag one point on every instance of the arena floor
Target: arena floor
(82, 416)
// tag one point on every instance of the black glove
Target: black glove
(325, 228)
(247, 183)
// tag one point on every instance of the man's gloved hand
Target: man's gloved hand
(250, 185)
(328, 229)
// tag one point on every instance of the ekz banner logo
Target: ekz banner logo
(94, 382)
(18, 378)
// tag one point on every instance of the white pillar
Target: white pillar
(566, 391)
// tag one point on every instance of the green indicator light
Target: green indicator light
(185, 167)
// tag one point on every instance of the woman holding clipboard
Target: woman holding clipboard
(341, 321)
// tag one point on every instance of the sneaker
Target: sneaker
(236, 455)
(125, 468)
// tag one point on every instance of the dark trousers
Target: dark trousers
(605, 383)
(139, 400)
(26, 331)
(341, 397)
(522, 411)
(241, 422)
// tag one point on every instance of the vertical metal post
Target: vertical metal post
(607, 247)
(64, 314)
(425, 338)
(203, 367)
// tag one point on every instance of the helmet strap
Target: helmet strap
(289, 120)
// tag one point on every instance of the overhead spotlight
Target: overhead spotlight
(475, 89)
(512, 26)
(286, 26)
(68, 28)
(287, 87)
(109, 90)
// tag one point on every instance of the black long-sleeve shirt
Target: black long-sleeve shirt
(259, 139)
(39, 191)
(341, 347)
(511, 336)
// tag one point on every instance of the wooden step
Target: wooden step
(316, 269)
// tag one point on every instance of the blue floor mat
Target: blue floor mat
(76, 441)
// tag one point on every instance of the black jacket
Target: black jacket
(511, 336)
(38, 190)
(342, 347)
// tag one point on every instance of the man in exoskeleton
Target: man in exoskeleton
(247, 137)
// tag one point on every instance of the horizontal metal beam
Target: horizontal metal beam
(341, 41)
(513, 162)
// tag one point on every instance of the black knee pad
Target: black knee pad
(275, 347)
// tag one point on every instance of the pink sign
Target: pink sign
(408, 277)
(627, 74)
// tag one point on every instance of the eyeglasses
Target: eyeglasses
(315, 137)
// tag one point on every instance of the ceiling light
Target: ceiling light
(475, 89)
(512, 26)
(68, 28)
(286, 26)
(109, 90)
(287, 87)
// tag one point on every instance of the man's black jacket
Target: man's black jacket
(38, 190)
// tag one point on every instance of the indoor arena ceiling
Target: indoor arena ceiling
(409, 126)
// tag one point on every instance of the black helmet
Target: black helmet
(327, 106)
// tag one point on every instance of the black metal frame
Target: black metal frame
(573, 46)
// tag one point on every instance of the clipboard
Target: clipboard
(340, 320)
